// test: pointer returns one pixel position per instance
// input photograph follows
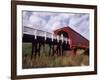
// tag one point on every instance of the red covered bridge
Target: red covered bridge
(63, 39)
(75, 39)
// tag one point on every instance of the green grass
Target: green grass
(51, 61)
(26, 49)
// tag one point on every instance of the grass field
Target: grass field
(51, 61)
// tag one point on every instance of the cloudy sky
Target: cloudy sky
(49, 21)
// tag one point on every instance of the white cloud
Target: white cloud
(49, 21)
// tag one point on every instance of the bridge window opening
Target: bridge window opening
(64, 36)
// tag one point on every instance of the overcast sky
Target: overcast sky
(49, 21)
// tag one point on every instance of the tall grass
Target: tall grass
(51, 61)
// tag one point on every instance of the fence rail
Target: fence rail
(36, 32)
